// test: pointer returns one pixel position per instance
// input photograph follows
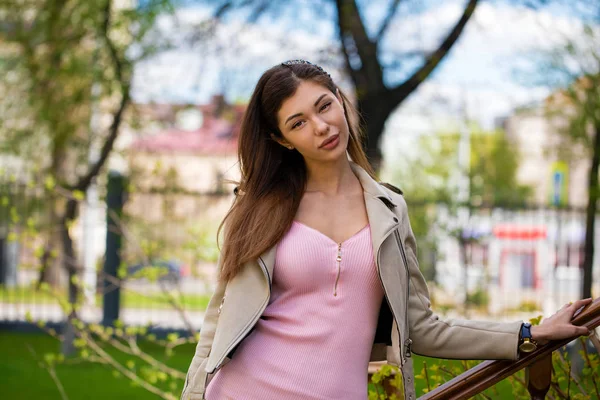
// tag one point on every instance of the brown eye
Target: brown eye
(325, 106)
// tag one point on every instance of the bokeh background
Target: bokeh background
(119, 122)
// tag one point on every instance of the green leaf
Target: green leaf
(122, 272)
(49, 182)
(78, 195)
(172, 337)
(536, 320)
(162, 376)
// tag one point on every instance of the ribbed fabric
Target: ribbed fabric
(310, 344)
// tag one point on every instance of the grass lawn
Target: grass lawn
(28, 295)
(22, 378)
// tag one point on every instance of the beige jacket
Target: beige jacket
(406, 323)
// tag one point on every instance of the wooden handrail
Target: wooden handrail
(488, 373)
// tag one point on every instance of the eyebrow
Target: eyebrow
(299, 114)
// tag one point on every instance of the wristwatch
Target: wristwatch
(526, 342)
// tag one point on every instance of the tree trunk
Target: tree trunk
(70, 262)
(377, 101)
(590, 218)
(375, 117)
(48, 267)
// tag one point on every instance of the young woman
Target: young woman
(318, 268)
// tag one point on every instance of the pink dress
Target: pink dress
(314, 339)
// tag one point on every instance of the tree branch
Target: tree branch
(388, 18)
(368, 77)
(50, 368)
(402, 91)
(85, 181)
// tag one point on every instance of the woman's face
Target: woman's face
(313, 122)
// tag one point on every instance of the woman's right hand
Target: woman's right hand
(559, 325)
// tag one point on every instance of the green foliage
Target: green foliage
(67, 67)
(429, 175)
(479, 298)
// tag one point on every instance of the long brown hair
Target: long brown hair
(273, 178)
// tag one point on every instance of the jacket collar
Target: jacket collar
(380, 212)
(371, 186)
(380, 207)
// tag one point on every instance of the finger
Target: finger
(581, 303)
(583, 331)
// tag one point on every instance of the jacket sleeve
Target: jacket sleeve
(196, 376)
(451, 338)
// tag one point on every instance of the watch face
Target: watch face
(527, 347)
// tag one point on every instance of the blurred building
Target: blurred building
(520, 258)
(528, 259)
(547, 160)
(182, 158)
(194, 147)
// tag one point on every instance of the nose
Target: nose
(321, 127)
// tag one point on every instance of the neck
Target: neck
(330, 178)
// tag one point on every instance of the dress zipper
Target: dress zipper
(339, 262)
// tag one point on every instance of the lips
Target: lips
(329, 140)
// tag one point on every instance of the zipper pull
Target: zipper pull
(407, 348)
(339, 261)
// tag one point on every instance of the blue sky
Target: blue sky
(479, 72)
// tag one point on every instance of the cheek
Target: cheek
(343, 123)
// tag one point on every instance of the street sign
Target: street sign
(559, 187)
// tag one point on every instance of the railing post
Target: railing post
(539, 376)
(115, 199)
